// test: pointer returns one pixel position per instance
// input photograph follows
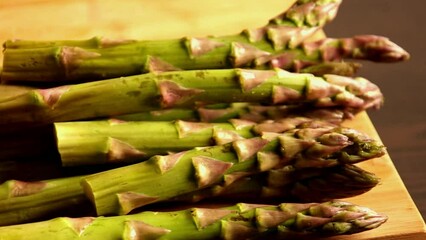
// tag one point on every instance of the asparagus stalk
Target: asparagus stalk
(27, 201)
(245, 111)
(112, 141)
(66, 64)
(103, 58)
(95, 142)
(186, 89)
(274, 45)
(240, 221)
(308, 13)
(8, 91)
(23, 202)
(100, 58)
(121, 190)
(289, 183)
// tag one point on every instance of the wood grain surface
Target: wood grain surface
(79, 19)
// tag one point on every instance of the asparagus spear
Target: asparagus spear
(288, 183)
(240, 221)
(258, 48)
(185, 89)
(103, 58)
(22, 202)
(112, 141)
(148, 137)
(245, 111)
(308, 13)
(121, 190)
(93, 142)
(66, 64)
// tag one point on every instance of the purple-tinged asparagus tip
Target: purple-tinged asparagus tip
(378, 48)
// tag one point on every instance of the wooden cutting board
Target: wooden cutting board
(145, 19)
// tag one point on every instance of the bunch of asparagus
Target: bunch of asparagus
(251, 117)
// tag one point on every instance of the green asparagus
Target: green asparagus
(245, 111)
(112, 141)
(121, 190)
(99, 58)
(26, 201)
(259, 157)
(44, 142)
(186, 89)
(99, 141)
(288, 183)
(66, 64)
(240, 221)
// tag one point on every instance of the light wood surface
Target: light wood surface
(79, 19)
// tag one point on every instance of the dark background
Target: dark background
(401, 123)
